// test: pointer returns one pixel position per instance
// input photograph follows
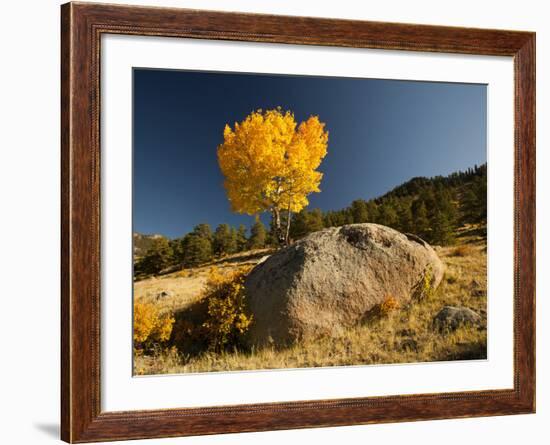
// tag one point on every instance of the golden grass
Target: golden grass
(404, 335)
(463, 250)
(186, 286)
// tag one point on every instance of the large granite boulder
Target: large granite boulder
(331, 279)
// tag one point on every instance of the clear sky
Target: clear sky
(381, 134)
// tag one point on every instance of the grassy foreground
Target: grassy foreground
(404, 336)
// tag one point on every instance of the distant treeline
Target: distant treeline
(200, 246)
(432, 208)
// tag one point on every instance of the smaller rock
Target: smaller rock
(450, 318)
(162, 295)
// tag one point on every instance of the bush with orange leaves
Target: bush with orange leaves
(150, 326)
(389, 305)
(227, 319)
(383, 309)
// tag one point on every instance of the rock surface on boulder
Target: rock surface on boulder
(330, 280)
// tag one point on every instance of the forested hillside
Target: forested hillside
(142, 243)
(432, 208)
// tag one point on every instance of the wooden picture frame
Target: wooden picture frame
(82, 25)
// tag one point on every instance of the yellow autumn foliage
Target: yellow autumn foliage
(150, 326)
(424, 289)
(270, 163)
(228, 319)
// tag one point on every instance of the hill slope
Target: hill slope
(142, 243)
(406, 335)
(431, 208)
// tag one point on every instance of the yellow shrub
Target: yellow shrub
(424, 289)
(150, 326)
(228, 319)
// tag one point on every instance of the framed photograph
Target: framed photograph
(275, 222)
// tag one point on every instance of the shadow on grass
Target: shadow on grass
(188, 334)
(466, 351)
(243, 258)
(475, 231)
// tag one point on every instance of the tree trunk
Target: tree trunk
(287, 232)
(278, 229)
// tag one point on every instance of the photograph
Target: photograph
(284, 221)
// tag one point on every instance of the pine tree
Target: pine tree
(305, 222)
(258, 236)
(442, 230)
(315, 220)
(337, 218)
(359, 211)
(232, 244)
(204, 231)
(197, 251)
(469, 205)
(225, 240)
(420, 223)
(177, 249)
(443, 218)
(372, 210)
(481, 192)
(197, 246)
(240, 239)
(299, 228)
(159, 256)
(404, 217)
(387, 215)
(474, 200)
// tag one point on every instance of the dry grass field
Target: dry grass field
(405, 335)
(185, 287)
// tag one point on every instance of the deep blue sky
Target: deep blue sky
(381, 133)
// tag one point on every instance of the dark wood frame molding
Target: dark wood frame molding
(82, 25)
